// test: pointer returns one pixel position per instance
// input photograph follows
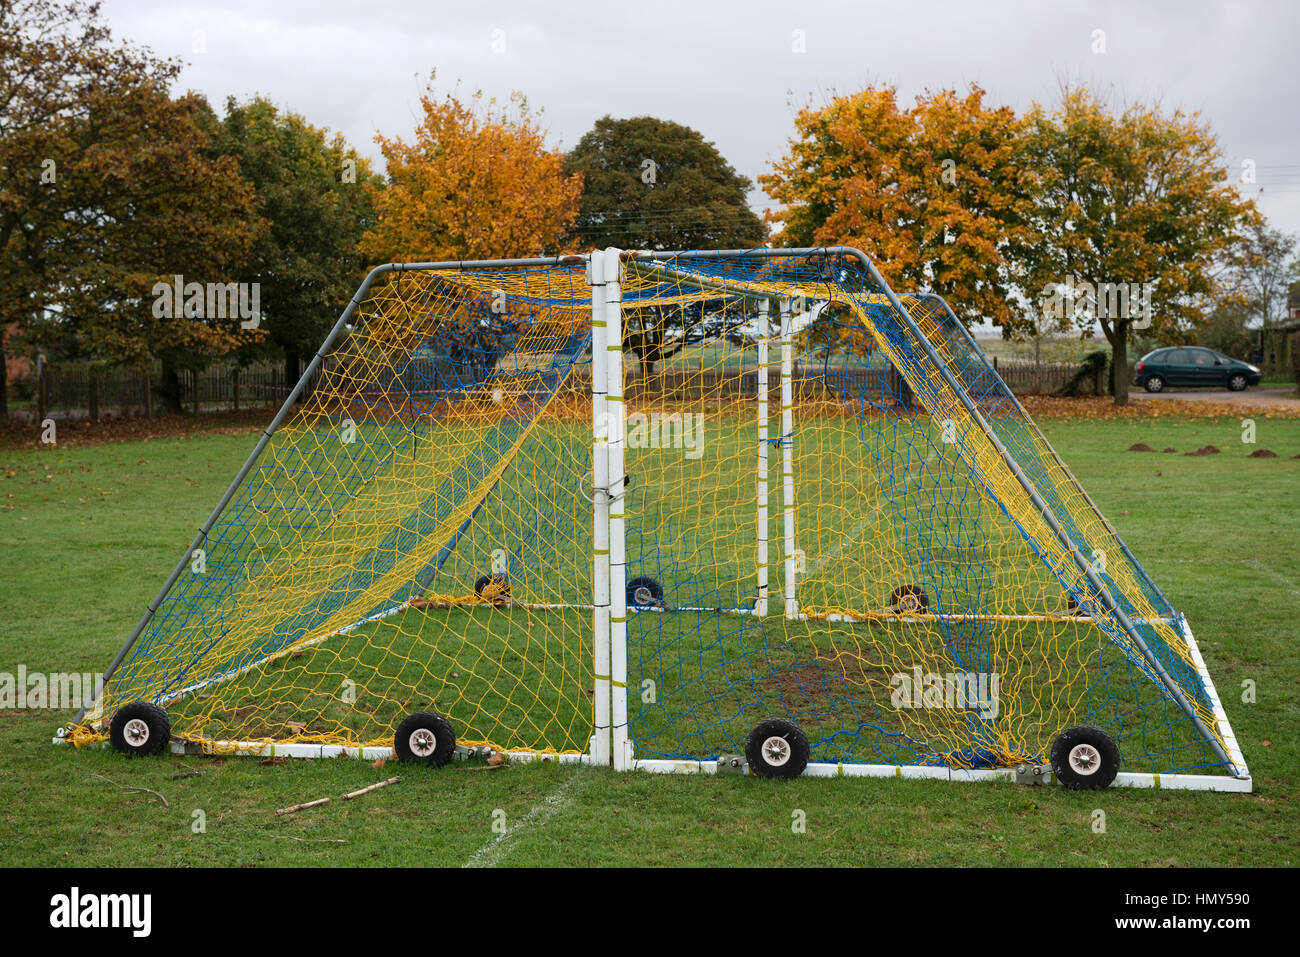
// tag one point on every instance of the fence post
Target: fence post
(93, 400)
(42, 387)
(234, 381)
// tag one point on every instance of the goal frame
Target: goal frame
(611, 743)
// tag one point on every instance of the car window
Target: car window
(1178, 357)
(1202, 357)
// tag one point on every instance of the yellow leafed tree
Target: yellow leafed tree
(478, 182)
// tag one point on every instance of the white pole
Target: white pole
(617, 419)
(600, 742)
(760, 605)
(787, 455)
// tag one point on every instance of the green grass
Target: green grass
(87, 534)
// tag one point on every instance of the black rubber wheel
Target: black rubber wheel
(1085, 758)
(644, 592)
(424, 738)
(909, 599)
(1154, 383)
(777, 749)
(139, 729)
(1237, 382)
(498, 594)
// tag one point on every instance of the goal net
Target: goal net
(623, 508)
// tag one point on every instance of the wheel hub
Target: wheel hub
(136, 732)
(1084, 759)
(423, 742)
(642, 595)
(776, 751)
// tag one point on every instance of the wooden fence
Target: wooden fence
(87, 390)
(84, 390)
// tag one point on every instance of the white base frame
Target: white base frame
(273, 749)
(1125, 779)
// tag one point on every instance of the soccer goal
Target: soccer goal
(702, 512)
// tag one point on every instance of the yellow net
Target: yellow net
(836, 513)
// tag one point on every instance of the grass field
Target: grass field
(88, 532)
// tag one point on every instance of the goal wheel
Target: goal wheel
(139, 729)
(424, 738)
(492, 588)
(777, 749)
(1085, 758)
(909, 599)
(644, 592)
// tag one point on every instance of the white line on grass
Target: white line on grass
(494, 851)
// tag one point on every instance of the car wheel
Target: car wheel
(1236, 382)
(1154, 383)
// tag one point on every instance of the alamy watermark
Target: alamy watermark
(1080, 299)
(214, 300)
(659, 430)
(960, 691)
(55, 690)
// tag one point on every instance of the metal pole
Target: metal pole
(760, 604)
(616, 420)
(787, 456)
(600, 750)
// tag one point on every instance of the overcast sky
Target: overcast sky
(732, 70)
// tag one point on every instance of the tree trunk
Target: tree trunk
(169, 388)
(292, 371)
(4, 380)
(292, 368)
(1119, 364)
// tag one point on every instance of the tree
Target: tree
(478, 183)
(316, 193)
(1132, 211)
(1261, 267)
(106, 187)
(937, 193)
(655, 184)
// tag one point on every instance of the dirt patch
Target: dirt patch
(1263, 454)
(1170, 450)
(1140, 447)
(1204, 450)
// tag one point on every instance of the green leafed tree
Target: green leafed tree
(108, 186)
(655, 184)
(312, 192)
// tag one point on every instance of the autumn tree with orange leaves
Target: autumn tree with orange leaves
(478, 182)
(936, 194)
(999, 214)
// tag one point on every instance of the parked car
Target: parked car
(1193, 366)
